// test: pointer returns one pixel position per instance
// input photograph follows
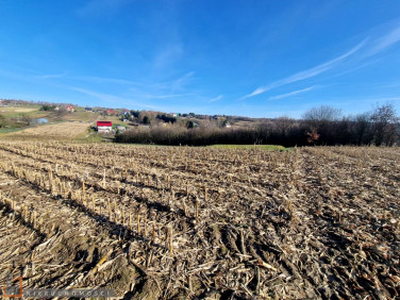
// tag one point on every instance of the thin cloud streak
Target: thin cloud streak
(109, 97)
(168, 56)
(307, 73)
(373, 47)
(179, 83)
(293, 93)
(172, 86)
(385, 42)
(168, 96)
(51, 76)
(215, 99)
(105, 79)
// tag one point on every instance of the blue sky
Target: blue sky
(249, 58)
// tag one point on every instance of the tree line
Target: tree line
(322, 125)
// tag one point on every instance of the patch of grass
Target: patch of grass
(119, 124)
(10, 130)
(17, 111)
(91, 137)
(258, 147)
(83, 116)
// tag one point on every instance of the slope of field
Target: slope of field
(18, 109)
(76, 116)
(65, 130)
(179, 222)
(27, 111)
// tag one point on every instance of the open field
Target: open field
(17, 109)
(31, 111)
(64, 130)
(180, 222)
(78, 115)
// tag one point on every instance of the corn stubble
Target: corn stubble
(209, 222)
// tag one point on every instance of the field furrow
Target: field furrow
(176, 222)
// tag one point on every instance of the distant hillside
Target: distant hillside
(322, 125)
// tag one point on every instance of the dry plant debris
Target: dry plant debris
(180, 222)
(53, 131)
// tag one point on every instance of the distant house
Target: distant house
(70, 108)
(111, 112)
(104, 126)
(88, 109)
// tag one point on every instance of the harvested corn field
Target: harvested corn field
(65, 130)
(180, 222)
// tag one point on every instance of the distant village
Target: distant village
(323, 125)
(128, 118)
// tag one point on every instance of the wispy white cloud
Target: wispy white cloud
(174, 85)
(180, 82)
(384, 42)
(307, 73)
(371, 46)
(107, 98)
(47, 76)
(292, 93)
(258, 91)
(105, 79)
(100, 96)
(167, 96)
(215, 99)
(168, 55)
(168, 89)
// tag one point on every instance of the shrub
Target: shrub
(47, 108)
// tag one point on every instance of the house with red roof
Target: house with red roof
(104, 126)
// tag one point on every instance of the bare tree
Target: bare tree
(324, 113)
(26, 119)
(362, 129)
(385, 119)
(323, 120)
(283, 124)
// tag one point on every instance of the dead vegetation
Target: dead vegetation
(58, 131)
(179, 222)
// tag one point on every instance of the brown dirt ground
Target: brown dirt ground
(178, 222)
